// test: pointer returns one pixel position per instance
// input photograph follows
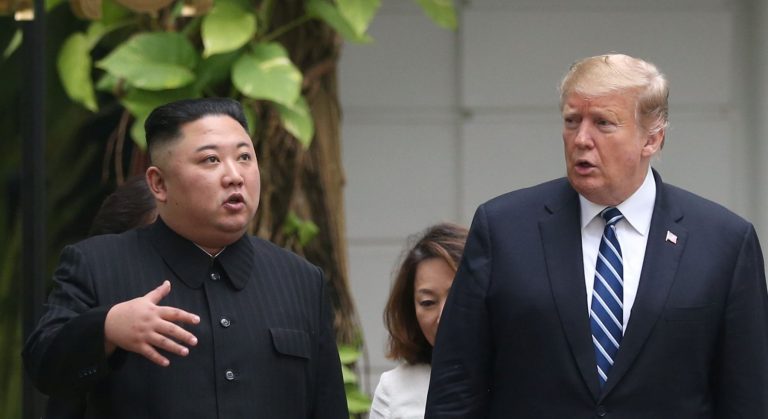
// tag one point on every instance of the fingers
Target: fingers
(142, 326)
(149, 352)
(173, 314)
(160, 292)
(177, 333)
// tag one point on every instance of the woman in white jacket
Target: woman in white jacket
(412, 315)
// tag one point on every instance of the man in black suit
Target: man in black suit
(245, 327)
(607, 293)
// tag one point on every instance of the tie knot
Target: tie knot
(611, 215)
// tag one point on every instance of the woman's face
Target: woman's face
(430, 289)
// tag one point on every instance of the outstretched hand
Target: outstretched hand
(142, 326)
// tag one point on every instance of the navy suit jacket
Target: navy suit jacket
(265, 348)
(515, 342)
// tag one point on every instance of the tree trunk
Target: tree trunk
(309, 182)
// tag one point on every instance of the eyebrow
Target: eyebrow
(216, 147)
(425, 291)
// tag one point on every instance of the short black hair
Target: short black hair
(164, 122)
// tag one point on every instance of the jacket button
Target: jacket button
(601, 411)
(215, 276)
(224, 322)
(229, 375)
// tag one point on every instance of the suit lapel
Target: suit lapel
(660, 264)
(561, 238)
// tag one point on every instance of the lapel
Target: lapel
(561, 238)
(659, 268)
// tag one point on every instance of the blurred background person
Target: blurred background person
(131, 205)
(412, 315)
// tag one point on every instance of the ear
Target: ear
(653, 143)
(156, 183)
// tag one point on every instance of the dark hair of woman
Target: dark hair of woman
(406, 340)
(131, 205)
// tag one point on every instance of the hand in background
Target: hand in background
(142, 326)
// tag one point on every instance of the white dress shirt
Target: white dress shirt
(632, 233)
(401, 393)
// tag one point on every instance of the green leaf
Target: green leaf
(304, 230)
(307, 231)
(348, 354)
(51, 4)
(15, 43)
(113, 12)
(267, 73)
(348, 375)
(227, 27)
(214, 70)
(250, 118)
(107, 83)
(297, 119)
(97, 29)
(153, 61)
(441, 12)
(327, 12)
(141, 102)
(358, 13)
(74, 65)
(357, 402)
(138, 134)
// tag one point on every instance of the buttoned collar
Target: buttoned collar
(192, 265)
(637, 209)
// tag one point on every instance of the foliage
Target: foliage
(169, 55)
(357, 401)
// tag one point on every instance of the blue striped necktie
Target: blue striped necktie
(606, 314)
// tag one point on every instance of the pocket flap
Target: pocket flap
(291, 342)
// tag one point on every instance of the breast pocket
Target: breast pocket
(291, 342)
(689, 326)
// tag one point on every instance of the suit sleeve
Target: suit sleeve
(330, 399)
(65, 354)
(742, 359)
(460, 380)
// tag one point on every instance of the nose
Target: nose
(584, 136)
(232, 175)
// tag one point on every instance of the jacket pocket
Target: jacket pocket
(291, 342)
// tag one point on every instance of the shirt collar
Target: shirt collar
(192, 265)
(637, 209)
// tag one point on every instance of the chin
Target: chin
(588, 190)
(233, 228)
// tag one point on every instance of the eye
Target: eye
(605, 124)
(426, 303)
(246, 156)
(570, 122)
(211, 159)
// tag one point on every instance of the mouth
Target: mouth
(235, 201)
(583, 166)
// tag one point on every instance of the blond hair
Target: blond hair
(610, 73)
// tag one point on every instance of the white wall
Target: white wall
(436, 122)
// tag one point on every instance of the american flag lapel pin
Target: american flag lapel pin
(671, 237)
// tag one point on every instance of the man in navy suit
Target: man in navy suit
(607, 293)
(190, 317)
